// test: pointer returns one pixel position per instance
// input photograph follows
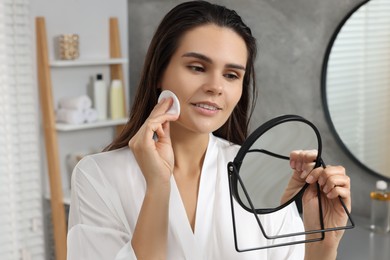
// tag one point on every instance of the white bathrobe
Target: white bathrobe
(108, 191)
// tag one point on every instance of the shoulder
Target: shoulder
(110, 160)
(109, 157)
(110, 166)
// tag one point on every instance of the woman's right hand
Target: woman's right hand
(155, 157)
(156, 161)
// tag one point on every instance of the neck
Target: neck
(189, 149)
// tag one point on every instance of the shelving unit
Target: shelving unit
(57, 197)
(69, 127)
(80, 63)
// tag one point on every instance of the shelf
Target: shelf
(92, 62)
(69, 127)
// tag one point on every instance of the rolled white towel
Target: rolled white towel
(90, 115)
(79, 102)
(70, 116)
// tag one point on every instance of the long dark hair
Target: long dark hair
(179, 20)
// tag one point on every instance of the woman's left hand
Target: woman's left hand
(333, 182)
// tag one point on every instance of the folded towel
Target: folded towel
(90, 115)
(70, 116)
(78, 103)
(74, 116)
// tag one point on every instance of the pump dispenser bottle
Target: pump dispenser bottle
(100, 97)
(380, 208)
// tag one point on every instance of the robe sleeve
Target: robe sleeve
(97, 225)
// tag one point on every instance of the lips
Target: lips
(208, 106)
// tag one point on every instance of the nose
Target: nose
(213, 85)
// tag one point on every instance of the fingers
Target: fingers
(162, 107)
(299, 158)
(331, 175)
(156, 123)
(158, 115)
(333, 182)
(302, 161)
(333, 179)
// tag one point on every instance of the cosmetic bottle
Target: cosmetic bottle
(380, 208)
(116, 100)
(100, 98)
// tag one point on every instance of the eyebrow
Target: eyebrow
(208, 60)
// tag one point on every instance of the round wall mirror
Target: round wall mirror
(356, 85)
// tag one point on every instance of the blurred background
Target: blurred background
(328, 61)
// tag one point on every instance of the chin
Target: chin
(200, 126)
(207, 129)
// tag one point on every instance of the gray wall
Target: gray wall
(293, 36)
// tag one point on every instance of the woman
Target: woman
(169, 199)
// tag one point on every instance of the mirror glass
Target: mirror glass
(265, 176)
(356, 85)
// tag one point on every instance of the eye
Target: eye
(196, 68)
(231, 76)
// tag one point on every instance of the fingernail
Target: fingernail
(292, 164)
(303, 174)
(309, 179)
(326, 189)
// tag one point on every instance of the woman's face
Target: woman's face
(206, 73)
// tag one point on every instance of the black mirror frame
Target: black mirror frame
(235, 180)
(236, 164)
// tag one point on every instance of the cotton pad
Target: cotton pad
(175, 108)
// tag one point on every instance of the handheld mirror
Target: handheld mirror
(258, 181)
